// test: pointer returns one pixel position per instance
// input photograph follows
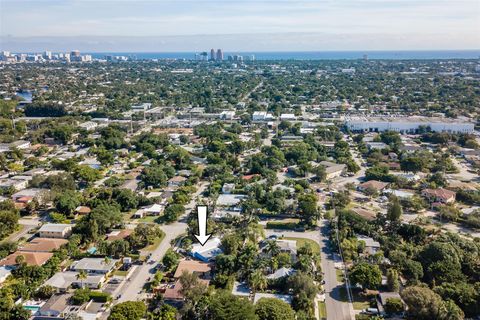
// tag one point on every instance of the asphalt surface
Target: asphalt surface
(133, 290)
(336, 308)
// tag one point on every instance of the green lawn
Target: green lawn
(359, 302)
(155, 244)
(120, 273)
(301, 242)
(148, 219)
(286, 224)
(339, 275)
(322, 310)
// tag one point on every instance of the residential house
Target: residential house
(208, 251)
(382, 299)
(55, 230)
(30, 258)
(119, 234)
(16, 185)
(201, 269)
(228, 188)
(62, 281)
(89, 125)
(371, 246)
(374, 185)
(364, 213)
(151, 210)
(281, 273)
(55, 308)
(94, 265)
(439, 195)
(20, 144)
(82, 210)
(176, 181)
(376, 145)
(43, 245)
(31, 193)
(333, 170)
(261, 116)
(228, 205)
(288, 117)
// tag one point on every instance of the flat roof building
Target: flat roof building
(408, 124)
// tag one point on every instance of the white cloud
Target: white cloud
(434, 21)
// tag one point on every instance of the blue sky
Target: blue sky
(245, 24)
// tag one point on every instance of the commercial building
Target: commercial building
(262, 116)
(408, 124)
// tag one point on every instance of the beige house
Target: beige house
(55, 230)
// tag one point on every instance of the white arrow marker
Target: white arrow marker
(202, 237)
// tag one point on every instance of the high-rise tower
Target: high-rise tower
(219, 55)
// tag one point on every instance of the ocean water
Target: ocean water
(311, 55)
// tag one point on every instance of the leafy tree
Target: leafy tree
(173, 212)
(129, 310)
(394, 211)
(126, 198)
(393, 306)
(8, 222)
(307, 208)
(144, 234)
(273, 309)
(392, 280)
(424, 304)
(367, 275)
(165, 312)
(170, 259)
(80, 296)
(412, 164)
(339, 200)
(224, 305)
(67, 201)
(465, 295)
(45, 292)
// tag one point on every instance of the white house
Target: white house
(288, 117)
(262, 116)
(94, 265)
(141, 107)
(55, 230)
(208, 251)
(227, 115)
(89, 125)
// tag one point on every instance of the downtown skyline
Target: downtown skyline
(167, 26)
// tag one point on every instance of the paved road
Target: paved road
(26, 225)
(336, 309)
(132, 290)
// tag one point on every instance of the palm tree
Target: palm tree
(257, 281)
(82, 275)
(106, 260)
(271, 248)
(20, 259)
